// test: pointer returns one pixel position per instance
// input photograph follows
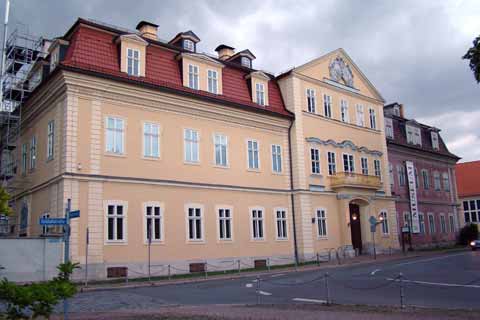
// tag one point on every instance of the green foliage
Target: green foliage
(4, 198)
(468, 233)
(38, 299)
(473, 54)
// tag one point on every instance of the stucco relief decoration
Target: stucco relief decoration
(339, 70)
(344, 144)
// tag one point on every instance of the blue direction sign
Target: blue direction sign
(74, 214)
(53, 221)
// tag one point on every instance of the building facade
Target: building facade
(468, 177)
(422, 177)
(198, 157)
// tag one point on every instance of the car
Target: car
(475, 244)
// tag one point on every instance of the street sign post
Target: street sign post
(74, 214)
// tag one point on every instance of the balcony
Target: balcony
(354, 180)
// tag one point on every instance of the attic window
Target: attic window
(188, 45)
(133, 62)
(435, 143)
(246, 62)
(396, 111)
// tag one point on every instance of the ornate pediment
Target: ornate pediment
(340, 71)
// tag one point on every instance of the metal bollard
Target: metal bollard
(206, 272)
(402, 294)
(318, 259)
(338, 257)
(327, 289)
(257, 291)
(169, 273)
(268, 264)
(238, 265)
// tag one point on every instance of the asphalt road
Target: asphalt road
(444, 281)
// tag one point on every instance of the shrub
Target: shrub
(468, 233)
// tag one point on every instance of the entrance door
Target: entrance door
(355, 227)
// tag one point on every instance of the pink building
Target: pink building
(432, 187)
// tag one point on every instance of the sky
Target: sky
(410, 50)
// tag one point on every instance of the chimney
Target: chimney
(225, 52)
(402, 110)
(148, 30)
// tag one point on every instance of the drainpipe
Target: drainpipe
(292, 198)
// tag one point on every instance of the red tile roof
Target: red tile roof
(95, 51)
(468, 178)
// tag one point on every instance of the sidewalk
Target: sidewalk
(360, 260)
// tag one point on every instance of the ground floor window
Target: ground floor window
(431, 223)
(116, 220)
(225, 223)
(153, 219)
(471, 209)
(257, 223)
(452, 223)
(281, 218)
(421, 221)
(384, 219)
(195, 231)
(322, 222)
(443, 224)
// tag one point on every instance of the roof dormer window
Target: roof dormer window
(260, 92)
(435, 144)
(133, 62)
(188, 45)
(246, 62)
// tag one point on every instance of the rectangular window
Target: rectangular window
(406, 219)
(253, 155)
(322, 223)
(401, 175)
(24, 158)
(415, 173)
(360, 116)
(391, 175)
(276, 158)
(436, 181)
(257, 224)
(413, 135)
(344, 111)
(115, 222)
(193, 76)
(188, 45)
(389, 128)
(377, 168)
(332, 164)
(153, 223)
(425, 179)
(50, 139)
(33, 153)
(384, 219)
(435, 143)
(281, 219)
(470, 210)
(327, 105)
(315, 159)
(446, 182)
(311, 102)
(260, 93)
(466, 212)
(133, 62)
(195, 231)
(212, 81)
(364, 163)
(224, 224)
(373, 119)
(443, 224)
(431, 223)
(151, 140)
(221, 145)
(451, 221)
(115, 135)
(348, 163)
(421, 221)
(191, 143)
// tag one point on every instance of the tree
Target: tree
(473, 54)
(4, 198)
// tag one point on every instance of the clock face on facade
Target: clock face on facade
(339, 70)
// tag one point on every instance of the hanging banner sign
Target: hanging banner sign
(412, 188)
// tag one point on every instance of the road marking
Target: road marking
(375, 271)
(264, 293)
(309, 300)
(426, 260)
(277, 275)
(249, 285)
(439, 283)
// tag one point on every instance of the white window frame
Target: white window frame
(315, 165)
(421, 221)
(195, 218)
(188, 45)
(425, 179)
(373, 118)
(364, 163)
(152, 137)
(135, 62)
(221, 143)
(451, 222)
(360, 115)
(327, 105)
(50, 140)
(224, 221)
(332, 163)
(446, 181)
(431, 226)
(260, 93)
(212, 81)
(385, 227)
(255, 153)
(311, 101)
(24, 162)
(161, 218)
(377, 168)
(277, 166)
(437, 181)
(33, 153)
(118, 133)
(190, 140)
(322, 223)
(193, 77)
(350, 163)
(281, 234)
(402, 181)
(258, 221)
(344, 116)
(246, 62)
(443, 223)
(124, 217)
(389, 128)
(435, 140)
